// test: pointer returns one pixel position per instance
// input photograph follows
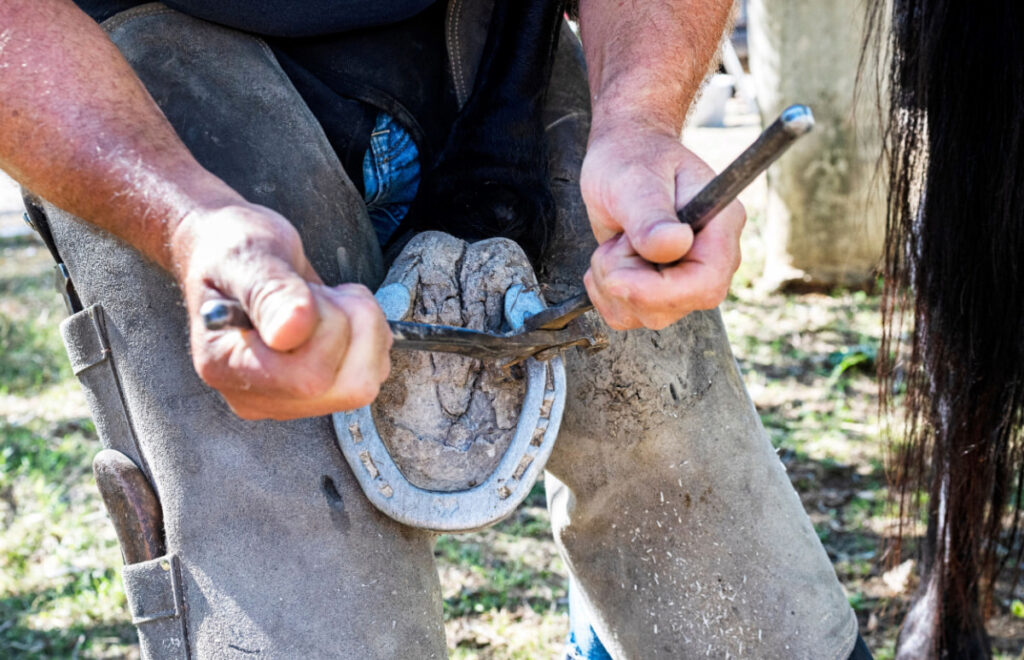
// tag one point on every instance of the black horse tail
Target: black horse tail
(954, 264)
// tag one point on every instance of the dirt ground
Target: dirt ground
(807, 360)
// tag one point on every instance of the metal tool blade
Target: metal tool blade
(513, 347)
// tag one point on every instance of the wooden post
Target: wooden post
(825, 214)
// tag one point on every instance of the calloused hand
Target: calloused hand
(314, 349)
(650, 270)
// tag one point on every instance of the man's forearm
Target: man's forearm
(78, 128)
(646, 60)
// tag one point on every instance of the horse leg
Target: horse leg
(936, 621)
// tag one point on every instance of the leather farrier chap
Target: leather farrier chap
(259, 520)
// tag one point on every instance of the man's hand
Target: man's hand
(650, 270)
(100, 148)
(645, 61)
(314, 349)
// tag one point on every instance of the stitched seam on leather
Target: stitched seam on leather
(455, 54)
(448, 43)
(182, 603)
(130, 419)
(575, 114)
(462, 73)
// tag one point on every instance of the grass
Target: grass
(29, 359)
(60, 585)
(505, 590)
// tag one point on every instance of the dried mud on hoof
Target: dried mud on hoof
(447, 419)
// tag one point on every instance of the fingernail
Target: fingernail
(664, 226)
(657, 231)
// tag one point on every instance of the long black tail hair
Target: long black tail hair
(954, 264)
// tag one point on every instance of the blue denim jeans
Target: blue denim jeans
(583, 643)
(391, 175)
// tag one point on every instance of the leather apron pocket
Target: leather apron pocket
(85, 337)
(155, 600)
(153, 587)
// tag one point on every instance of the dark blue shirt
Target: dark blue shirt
(280, 18)
(349, 59)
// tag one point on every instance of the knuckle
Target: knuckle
(588, 183)
(363, 393)
(311, 385)
(651, 302)
(590, 174)
(356, 289)
(706, 299)
(209, 372)
(590, 285)
(363, 308)
(371, 310)
(741, 212)
(723, 291)
(658, 321)
(645, 298)
(262, 291)
(623, 322)
(713, 296)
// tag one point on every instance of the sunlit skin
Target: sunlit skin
(645, 61)
(78, 128)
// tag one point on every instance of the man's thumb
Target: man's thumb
(283, 310)
(660, 238)
(651, 223)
